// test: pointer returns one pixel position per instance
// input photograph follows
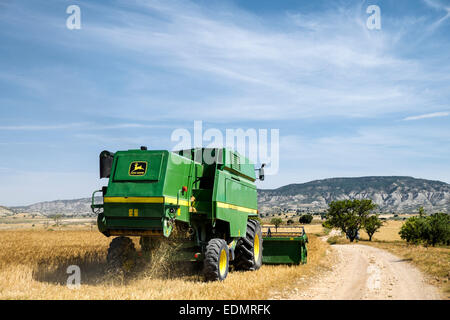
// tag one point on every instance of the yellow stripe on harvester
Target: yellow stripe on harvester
(180, 201)
(169, 200)
(232, 206)
(133, 199)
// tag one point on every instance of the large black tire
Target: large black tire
(249, 248)
(121, 255)
(216, 263)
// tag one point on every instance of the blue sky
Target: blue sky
(348, 101)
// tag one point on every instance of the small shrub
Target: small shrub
(276, 222)
(306, 219)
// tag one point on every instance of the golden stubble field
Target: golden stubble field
(388, 232)
(33, 265)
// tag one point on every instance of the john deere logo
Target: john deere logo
(138, 168)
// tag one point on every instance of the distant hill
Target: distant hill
(76, 207)
(391, 194)
(5, 211)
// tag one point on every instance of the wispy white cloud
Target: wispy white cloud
(427, 115)
(437, 5)
(433, 4)
(437, 23)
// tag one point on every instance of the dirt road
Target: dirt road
(364, 272)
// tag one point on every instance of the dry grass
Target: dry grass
(338, 240)
(388, 232)
(315, 229)
(33, 266)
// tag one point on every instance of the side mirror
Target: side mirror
(261, 172)
(106, 161)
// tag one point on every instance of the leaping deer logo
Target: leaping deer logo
(138, 168)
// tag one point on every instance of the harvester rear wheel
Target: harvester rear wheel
(249, 249)
(216, 263)
(121, 255)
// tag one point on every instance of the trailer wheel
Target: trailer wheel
(249, 249)
(216, 263)
(304, 254)
(121, 255)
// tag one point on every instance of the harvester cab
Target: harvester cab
(205, 198)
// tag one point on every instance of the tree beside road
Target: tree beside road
(351, 215)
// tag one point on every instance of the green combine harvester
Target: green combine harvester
(205, 197)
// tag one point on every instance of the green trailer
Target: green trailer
(206, 198)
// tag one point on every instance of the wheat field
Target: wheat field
(388, 232)
(33, 265)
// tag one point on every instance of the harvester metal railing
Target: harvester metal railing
(271, 231)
